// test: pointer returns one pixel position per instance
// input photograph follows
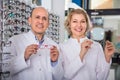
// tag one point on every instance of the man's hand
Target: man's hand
(31, 49)
(54, 53)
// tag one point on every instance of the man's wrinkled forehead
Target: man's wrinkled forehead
(39, 9)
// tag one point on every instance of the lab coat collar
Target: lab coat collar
(33, 36)
(76, 41)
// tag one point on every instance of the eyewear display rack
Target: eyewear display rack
(54, 27)
(13, 21)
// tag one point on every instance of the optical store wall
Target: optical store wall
(13, 21)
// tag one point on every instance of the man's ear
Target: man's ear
(29, 20)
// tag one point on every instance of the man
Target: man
(34, 56)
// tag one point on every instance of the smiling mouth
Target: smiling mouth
(40, 26)
(78, 30)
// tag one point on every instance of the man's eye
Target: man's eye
(37, 17)
(44, 18)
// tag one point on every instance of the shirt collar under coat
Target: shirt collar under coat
(34, 38)
(76, 41)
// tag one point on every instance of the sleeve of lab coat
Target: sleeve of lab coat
(103, 67)
(72, 67)
(57, 69)
(17, 62)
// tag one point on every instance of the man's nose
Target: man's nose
(40, 20)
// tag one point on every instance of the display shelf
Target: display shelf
(14, 15)
(13, 21)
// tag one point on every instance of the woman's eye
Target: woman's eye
(83, 21)
(74, 21)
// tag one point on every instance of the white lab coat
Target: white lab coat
(93, 67)
(38, 66)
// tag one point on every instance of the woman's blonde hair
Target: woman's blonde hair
(76, 11)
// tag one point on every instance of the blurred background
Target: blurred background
(104, 15)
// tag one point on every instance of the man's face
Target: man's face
(39, 21)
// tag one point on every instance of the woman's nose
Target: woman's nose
(79, 23)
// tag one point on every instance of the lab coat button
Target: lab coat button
(39, 54)
(40, 69)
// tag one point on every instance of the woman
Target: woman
(84, 59)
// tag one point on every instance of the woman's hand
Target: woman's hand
(109, 50)
(84, 48)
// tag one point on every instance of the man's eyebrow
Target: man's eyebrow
(45, 17)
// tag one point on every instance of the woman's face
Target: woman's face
(78, 25)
